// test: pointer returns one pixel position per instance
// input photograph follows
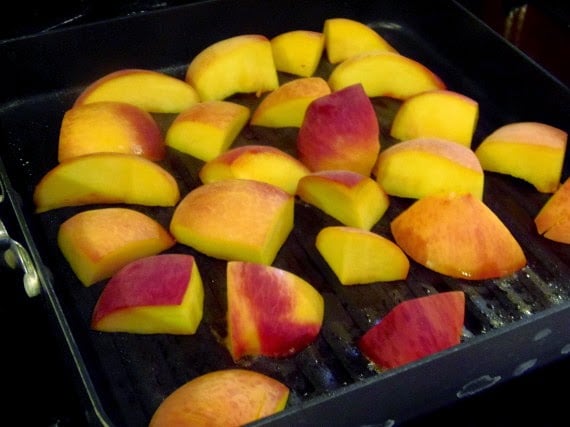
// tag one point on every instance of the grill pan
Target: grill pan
(512, 326)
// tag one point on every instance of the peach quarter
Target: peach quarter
(99, 242)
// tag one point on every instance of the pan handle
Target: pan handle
(14, 255)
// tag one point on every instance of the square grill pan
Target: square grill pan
(512, 326)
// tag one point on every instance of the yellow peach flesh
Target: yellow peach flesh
(353, 199)
(531, 151)
(298, 52)
(423, 166)
(256, 162)
(439, 114)
(97, 243)
(129, 301)
(109, 127)
(207, 129)
(149, 90)
(286, 105)
(359, 256)
(106, 178)
(239, 64)
(346, 37)
(206, 220)
(376, 71)
(459, 236)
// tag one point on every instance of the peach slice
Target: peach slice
(340, 131)
(459, 236)
(418, 167)
(351, 198)
(298, 52)
(414, 329)
(531, 151)
(358, 256)
(286, 105)
(441, 114)
(99, 242)
(271, 312)
(158, 294)
(235, 219)
(106, 178)
(239, 64)
(553, 219)
(386, 74)
(346, 37)
(207, 129)
(263, 163)
(152, 91)
(228, 397)
(109, 127)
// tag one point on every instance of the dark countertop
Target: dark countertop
(35, 375)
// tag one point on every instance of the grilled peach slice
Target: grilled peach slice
(459, 236)
(207, 129)
(340, 131)
(263, 163)
(414, 329)
(376, 72)
(298, 52)
(346, 37)
(531, 151)
(239, 64)
(286, 106)
(358, 256)
(152, 91)
(228, 397)
(406, 169)
(99, 242)
(441, 114)
(109, 127)
(158, 294)
(553, 219)
(106, 178)
(235, 219)
(271, 312)
(353, 199)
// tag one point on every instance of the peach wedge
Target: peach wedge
(263, 163)
(415, 328)
(99, 242)
(346, 37)
(298, 52)
(235, 219)
(271, 312)
(207, 129)
(438, 114)
(286, 105)
(228, 397)
(109, 127)
(386, 74)
(152, 91)
(531, 151)
(106, 178)
(340, 131)
(239, 64)
(553, 219)
(351, 198)
(158, 294)
(459, 236)
(358, 256)
(407, 168)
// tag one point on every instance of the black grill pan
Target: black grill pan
(513, 325)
